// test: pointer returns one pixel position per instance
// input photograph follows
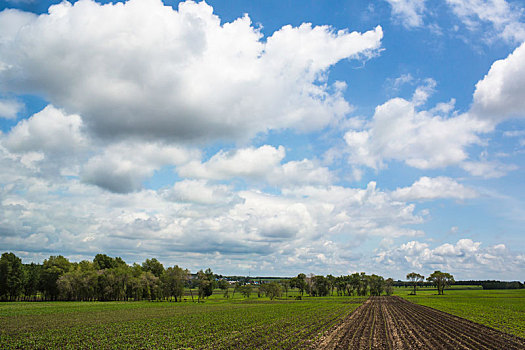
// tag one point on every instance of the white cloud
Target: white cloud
(427, 188)
(421, 139)
(9, 109)
(50, 130)
(249, 162)
(261, 164)
(160, 73)
(488, 169)
(503, 16)
(423, 92)
(498, 96)
(409, 12)
(200, 192)
(466, 258)
(122, 167)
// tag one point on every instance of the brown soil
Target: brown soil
(394, 323)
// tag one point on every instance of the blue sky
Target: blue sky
(269, 138)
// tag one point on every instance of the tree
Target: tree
(286, 285)
(173, 280)
(52, 269)
(154, 266)
(389, 286)
(377, 284)
(441, 280)
(331, 282)
(320, 286)
(207, 283)
(31, 279)
(11, 276)
(362, 288)
(415, 278)
(299, 282)
(103, 262)
(273, 290)
(224, 286)
(246, 290)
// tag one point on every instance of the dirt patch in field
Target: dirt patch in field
(394, 323)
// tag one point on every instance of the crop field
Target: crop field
(394, 323)
(503, 310)
(215, 324)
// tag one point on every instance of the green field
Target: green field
(215, 324)
(500, 309)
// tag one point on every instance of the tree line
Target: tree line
(106, 278)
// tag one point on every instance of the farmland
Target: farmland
(500, 309)
(214, 324)
(394, 323)
(331, 322)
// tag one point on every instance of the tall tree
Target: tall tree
(320, 286)
(377, 284)
(415, 278)
(389, 286)
(52, 269)
(273, 290)
(207, 283)
(31, 280)
(11, 276)
(173, 281)
(441, 280)
(154, 266)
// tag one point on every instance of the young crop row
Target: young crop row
(221, 325)
(503, 310)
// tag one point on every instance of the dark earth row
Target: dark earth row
(390, 322)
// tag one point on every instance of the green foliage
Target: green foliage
(441, 280)
(320, 286)
(173, 280)
(377, 284)
(153, 266)
(216, 324)
(52, 269)
(11, 276)
(415, 278)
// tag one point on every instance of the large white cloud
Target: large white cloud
(51, 131)
(122, 167)
(421, 139)
(427, 188)
(144, 69)
(263, 164)
(499, 95)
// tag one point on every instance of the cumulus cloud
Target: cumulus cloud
(409, 12)
(498, 96)
(262, 164)
(51, 131)
(193, 220)
(200, 192)
(122, 167)
(504, 17)
(427, 188)
(156, 72)
(421, 139)
(466, 258)
(9, 109)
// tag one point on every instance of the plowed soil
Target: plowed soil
(394, 323)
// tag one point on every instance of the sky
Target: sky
(266, 138)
